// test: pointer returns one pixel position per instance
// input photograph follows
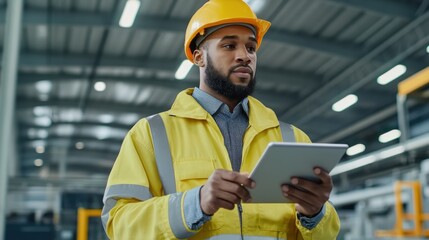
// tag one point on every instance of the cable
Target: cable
(240, 216)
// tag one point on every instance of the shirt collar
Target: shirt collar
(212, 104)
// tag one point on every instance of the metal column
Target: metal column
(7, 97)
(403, 118)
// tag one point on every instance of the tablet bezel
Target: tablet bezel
(274, 168)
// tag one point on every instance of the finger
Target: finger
(236, 177)
(300, 195)
(217, 203)
(309, 203)
(228, 197)
(322, 175)
(225, 204)
(311, 186)
(236, 189)
(319, 190)
(304, 184)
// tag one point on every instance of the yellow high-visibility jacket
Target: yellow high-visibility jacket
(137, 208)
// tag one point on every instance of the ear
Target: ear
(199, 58)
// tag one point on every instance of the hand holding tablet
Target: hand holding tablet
(281, 161)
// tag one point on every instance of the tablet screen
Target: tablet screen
(283, 160)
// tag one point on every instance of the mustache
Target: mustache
(232, 69)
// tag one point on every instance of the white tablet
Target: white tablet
(282, 160)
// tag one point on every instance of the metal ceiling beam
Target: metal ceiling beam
(111, 107)
(351, 51)
(349, 73)
(64, 183)
(77, 124)
(90, 157)
(93, 105)
(391, 8)
(328, 46)
(82, 170)
(362, 124)
(143, 109)
(264, 95)
(26, 78)
(108, 154)
(417, 143)
(76, 138)
(297, 80)
(154, 23)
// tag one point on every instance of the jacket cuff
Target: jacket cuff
(311, 222)
(176, 217)
(194, 216)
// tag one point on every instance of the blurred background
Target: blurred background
(77, 74)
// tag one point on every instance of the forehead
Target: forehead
(236, 31)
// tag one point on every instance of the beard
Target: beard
(223, 84)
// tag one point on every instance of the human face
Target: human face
(230, 62)
(224, 86)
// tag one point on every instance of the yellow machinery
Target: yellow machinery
(417, 216)
(83, 216)
(414, 83)
(414, 86)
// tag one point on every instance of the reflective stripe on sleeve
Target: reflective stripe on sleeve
(287, 132)
(238, 237)
(162, 153)
(122, 191)
(175, 218)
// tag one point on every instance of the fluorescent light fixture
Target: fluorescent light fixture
(102, 132)
(65, 130)
(106, 118)
(42, 133)
(44, 86)
(79, 145)
(43, 121)
(344, 103)
(389, 136)
(427, 49)
(392, 74)
(183, 70)
(37, 143)
(40, 149)
(129, 118)
(100, 86)
(129, 14)
(40, 111)
(38, 162)
(356, 149)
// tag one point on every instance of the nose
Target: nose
(242, 55)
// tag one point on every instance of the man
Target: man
(187, 180)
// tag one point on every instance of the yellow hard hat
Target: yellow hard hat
(220, 12)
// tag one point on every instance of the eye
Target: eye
(251, 49)
(229, 46)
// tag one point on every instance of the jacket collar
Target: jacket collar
(212, 104)
(260, 117)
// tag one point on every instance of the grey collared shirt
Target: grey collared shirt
(231, 124)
